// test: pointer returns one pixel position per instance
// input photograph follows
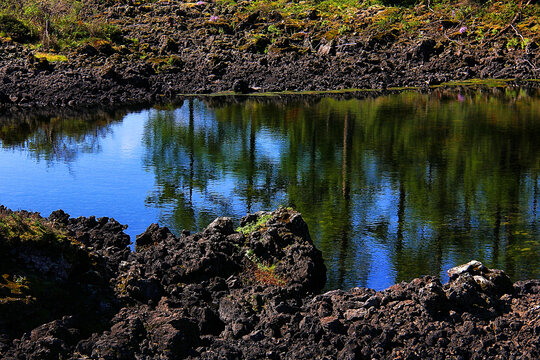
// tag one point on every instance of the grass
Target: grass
(17, 230)
(338, 18)
(33, 292)
(50, 57)
(61, 24)
(52, 23)
(476, 82)
(21, 229)
(13, 287)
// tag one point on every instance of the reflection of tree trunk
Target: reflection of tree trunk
(312, 155)
(513, 208)
(438, 253)
(401, 217)
(535, 200)
(398, 253)
(509, 260)
(251, 170)
(191, 148)
(467, 213)
(496, 235)
(430, 177)
(344, 168)
(344, 249)
(49, 130)
(346, 215)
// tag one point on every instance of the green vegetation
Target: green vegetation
(51, 57)
(256, 225)
(62, 24)
(59, 138)
(263, 273)
(14, 28)
(258, 270)
(15, 227)
(31, 230)
(470, 20)
(53, 23)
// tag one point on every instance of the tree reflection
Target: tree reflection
(416, 182)
(59, 137)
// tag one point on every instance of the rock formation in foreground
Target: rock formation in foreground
(72, 289)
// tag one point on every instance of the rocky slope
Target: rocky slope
(245, 293)
(167, 48)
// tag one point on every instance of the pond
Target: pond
(392, 187)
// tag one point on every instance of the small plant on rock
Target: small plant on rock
(262, 272)
(256, 225)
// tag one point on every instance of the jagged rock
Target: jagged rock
(152, 235)
(222, 225)
(241, 86)
(168, 45)
(16, 29)
(490, 281)
(328, 48)
(214, 294)
(4, 99)
(425, 49)
(109, 73)
(88, 50)
(105, 48)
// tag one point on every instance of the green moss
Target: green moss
(15, 29)
(50, 57)
(477, 82)
(254, 226)
(15, 227)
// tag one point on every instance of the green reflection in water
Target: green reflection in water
(60, 137)
(391, 188)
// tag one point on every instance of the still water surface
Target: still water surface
(391, 187)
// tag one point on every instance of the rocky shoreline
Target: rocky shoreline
(73, 289)
(167, 49)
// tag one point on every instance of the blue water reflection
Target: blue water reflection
(392, 187)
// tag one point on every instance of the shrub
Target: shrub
(15, 29)
(57, 23)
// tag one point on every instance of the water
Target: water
(391, 187)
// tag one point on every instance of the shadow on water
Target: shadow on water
(391, 187)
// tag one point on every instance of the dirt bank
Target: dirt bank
(72, 289)
(166, 48)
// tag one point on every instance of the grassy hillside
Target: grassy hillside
(64, 24)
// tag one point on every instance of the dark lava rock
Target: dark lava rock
(4, 99)
(425, 49)
(40, 64)
(248, 293)
(88, 50)
(152, 236)
(242, 86)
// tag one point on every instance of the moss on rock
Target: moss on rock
(15, 29)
